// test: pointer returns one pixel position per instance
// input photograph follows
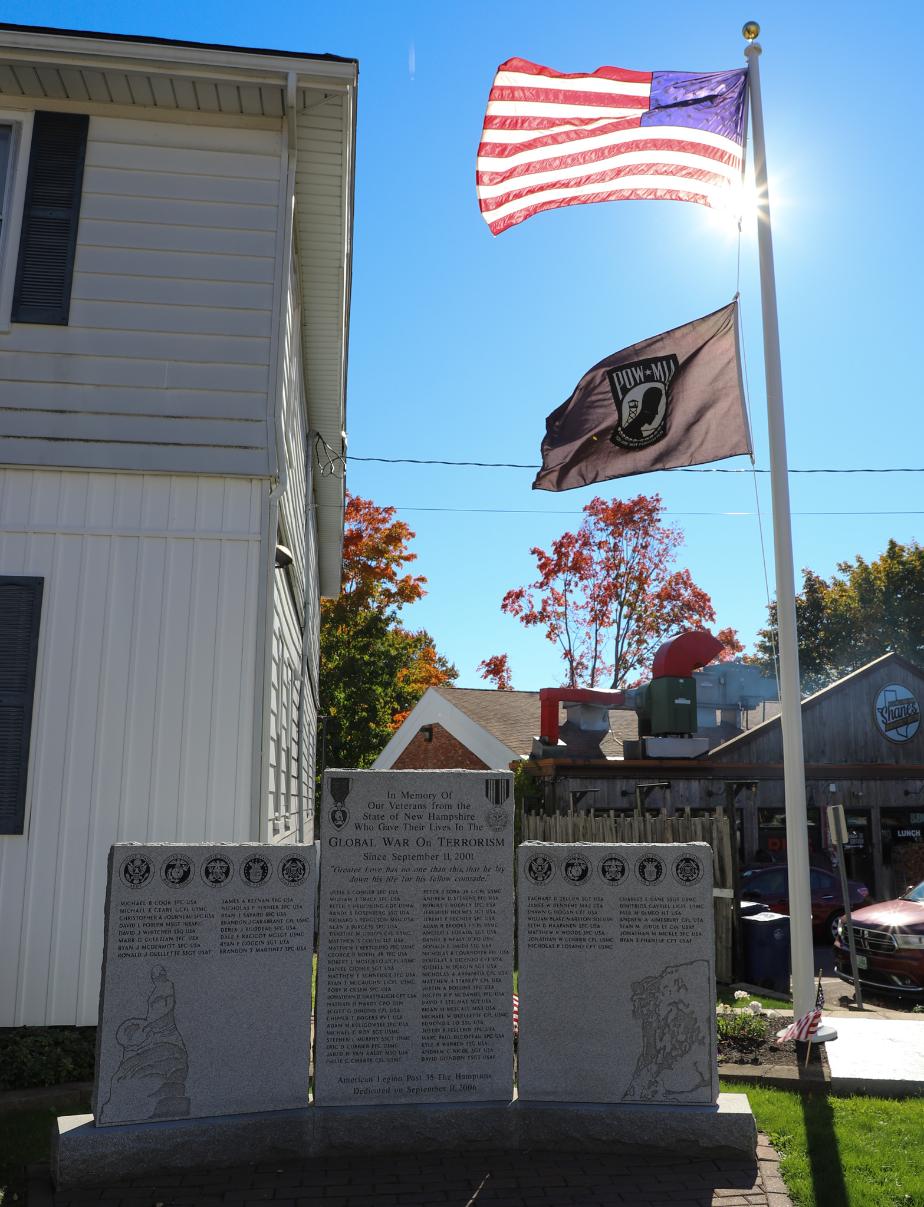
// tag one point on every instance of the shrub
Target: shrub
(40, 1056)
(745, 1030)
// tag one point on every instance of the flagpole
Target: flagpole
(800, 901)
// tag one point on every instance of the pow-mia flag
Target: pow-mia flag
(671, 400)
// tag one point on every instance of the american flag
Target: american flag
(552, 139)
(806, 1027)
(516, 1016)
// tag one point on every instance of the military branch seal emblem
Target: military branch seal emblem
(642, 394)
(613, 869)
(176, 870)
(650, 869)
(688, 869)
(136, 871)
(540, 869)
(576, 869)
(217, 871)
(293, 870)
(255, 870)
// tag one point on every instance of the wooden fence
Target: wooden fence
(650, 827)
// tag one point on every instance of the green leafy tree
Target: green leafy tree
(373, 670)
(865, 610)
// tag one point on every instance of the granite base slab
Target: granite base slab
(85, 1155)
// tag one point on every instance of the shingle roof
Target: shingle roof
(513, 717)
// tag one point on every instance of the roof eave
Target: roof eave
(326, 357)
(126, 51)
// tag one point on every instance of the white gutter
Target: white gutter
(282, 468)
(231, 64)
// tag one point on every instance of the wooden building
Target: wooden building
(175, 255)
(864, 749)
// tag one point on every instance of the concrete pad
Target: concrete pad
(86, 1155)
(878, 1056)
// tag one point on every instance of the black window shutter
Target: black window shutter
(42, 293)
(20, 611)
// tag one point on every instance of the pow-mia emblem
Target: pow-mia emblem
(255, 870)
(613, 869)
(576, 869)
(540, 869)
(339, 816)
(136, 871)
(642, 394)
(293, 870)
(217, 871)
(688, 869)
(649, 869)
(176, 870)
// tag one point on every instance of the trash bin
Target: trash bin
(746, 908)
(766, 950)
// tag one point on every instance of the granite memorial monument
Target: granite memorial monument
(617, 973)
(415, 961)
(205, 1006)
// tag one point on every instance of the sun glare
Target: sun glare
(743, 203)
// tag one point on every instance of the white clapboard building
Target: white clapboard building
(175, 234)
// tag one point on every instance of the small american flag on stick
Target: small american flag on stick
(805, 1028)
(516, 1016)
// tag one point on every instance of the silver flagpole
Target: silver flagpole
(800, 901)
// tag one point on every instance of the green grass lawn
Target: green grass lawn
(844, 1152)
(726, 997)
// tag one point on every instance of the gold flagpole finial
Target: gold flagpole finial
(750, 30)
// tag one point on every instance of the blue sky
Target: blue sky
(461, 343)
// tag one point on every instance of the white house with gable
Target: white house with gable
(175, 235)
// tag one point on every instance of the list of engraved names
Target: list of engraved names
(416, 939)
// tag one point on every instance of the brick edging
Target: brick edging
(768, 1163)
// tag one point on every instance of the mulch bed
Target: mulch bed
(765, 1052)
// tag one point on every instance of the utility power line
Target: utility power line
(679, 470)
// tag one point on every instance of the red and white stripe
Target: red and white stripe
(516, 1016)
(551, 140)
(802, 1029)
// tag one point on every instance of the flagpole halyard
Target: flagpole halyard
(800, 908)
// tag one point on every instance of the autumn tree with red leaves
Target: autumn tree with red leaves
(608, 594)
(373, 670)
(496, 670)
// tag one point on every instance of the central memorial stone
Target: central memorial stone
(205, 1006)
(415, 961)
(617, 973)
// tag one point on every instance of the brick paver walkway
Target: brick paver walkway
(459, 1180)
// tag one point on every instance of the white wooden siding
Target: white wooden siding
(285, 690)
(295, 603)
(143, 719)
(164, 364)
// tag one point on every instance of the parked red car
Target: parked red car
(889, 939)
(771, 885)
